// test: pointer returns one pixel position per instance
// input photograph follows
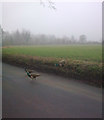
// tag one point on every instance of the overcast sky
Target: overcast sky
(70, 18)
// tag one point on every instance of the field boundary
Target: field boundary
(87, 72)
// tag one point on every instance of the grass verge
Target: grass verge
(85, 71)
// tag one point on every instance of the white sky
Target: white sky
(70, 18)
(0, 13)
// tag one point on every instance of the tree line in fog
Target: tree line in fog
(26, 38)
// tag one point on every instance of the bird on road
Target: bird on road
(31, 74)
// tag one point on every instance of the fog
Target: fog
(0, 13)
(69, 18)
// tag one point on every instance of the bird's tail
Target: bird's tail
(37, 75)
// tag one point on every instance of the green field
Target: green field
(79, 52)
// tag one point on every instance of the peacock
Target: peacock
(31, 74)
(60, 64)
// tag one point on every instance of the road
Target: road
(49, 96)
(0, 90)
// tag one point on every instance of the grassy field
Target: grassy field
(86, 53)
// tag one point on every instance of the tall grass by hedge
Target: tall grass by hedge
(86, 71)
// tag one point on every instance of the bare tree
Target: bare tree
(51, 4)
(82, 39)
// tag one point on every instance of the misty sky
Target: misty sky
(70, 18)
(0, 13)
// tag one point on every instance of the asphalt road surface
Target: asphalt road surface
(0, 90)
(49, 96)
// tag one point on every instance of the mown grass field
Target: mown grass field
(79, 52)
